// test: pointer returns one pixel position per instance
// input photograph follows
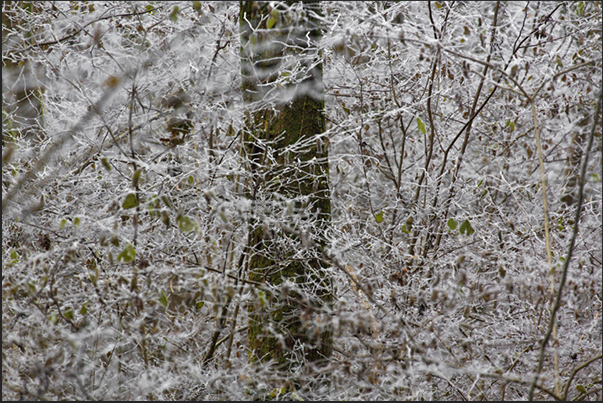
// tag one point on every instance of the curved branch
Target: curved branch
(575, 371)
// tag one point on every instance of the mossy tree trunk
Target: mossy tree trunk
(288, 167)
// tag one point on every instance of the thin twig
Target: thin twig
(44, 44)
(580, 197)
(547, 236)
(575, 371)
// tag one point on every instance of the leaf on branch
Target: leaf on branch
(185, 224)
(379, 217)
(105, 163)
(136, 177)
(127, 254)
(271, 21)
(163, 299)
(421, 126)
(174, 14)
(466, 228)
(197, 6)
(130, 201)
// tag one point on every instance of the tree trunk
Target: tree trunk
(22, 89)
(288, 166)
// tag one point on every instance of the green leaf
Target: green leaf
(62, 224)
(94, 276)
(167, 201)
(223, 216)
(405, 229)
(174, 14)
(127, 254)
(379, 216)
(581, 388)
(421, 126)
(271, 21)
(197, 6)
(136, 178)
(200, 304)
(466, 228)
(452, 224)
(559, 61)
(185, 224)
(130, 201)
(163, 299)
(84, 308)
(69, 313)
(106, 163)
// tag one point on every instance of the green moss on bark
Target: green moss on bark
(279, 324)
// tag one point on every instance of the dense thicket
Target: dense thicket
(463, 248)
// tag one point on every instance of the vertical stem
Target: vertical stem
(543, 182)
(547, 241)
(557, 299)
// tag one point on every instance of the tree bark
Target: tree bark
(283, 91)
(22, 89)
